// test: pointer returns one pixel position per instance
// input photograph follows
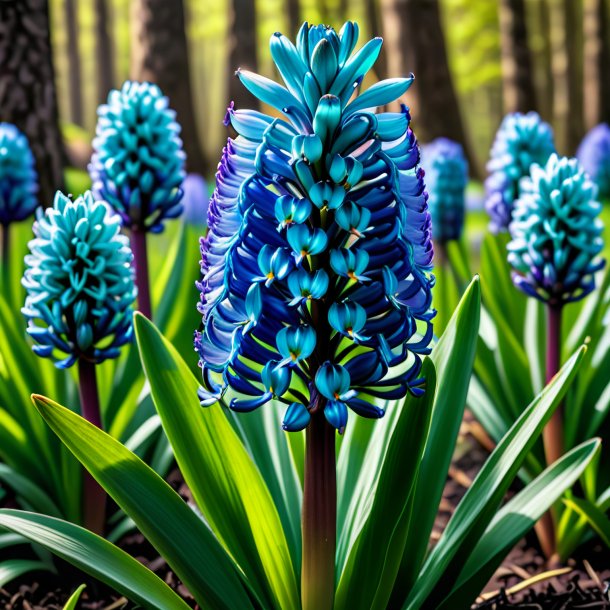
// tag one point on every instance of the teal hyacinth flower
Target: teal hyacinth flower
(316, 284)
(446, 180)
(18, 178)
(79, 282)
(556, 233)
(138, 161)
(594, 155)
(522, 140)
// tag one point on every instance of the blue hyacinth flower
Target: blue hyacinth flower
(313, 212)
(79, 282)
(138, 161)
(446, 180)
(18, 177)
(594, 155)
(556, 233)
(522, 140)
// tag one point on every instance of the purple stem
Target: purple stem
(319, 518)
(138, 245)
(94, 497)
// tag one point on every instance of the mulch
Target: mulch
(584, 585)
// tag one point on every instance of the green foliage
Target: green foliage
(73, 600)
(34, 465)
(509, 371)
(391, 473)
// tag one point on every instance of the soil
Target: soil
(583, 584)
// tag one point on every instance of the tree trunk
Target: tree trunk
(104, 52)
(539, 19)
(567, 98)
(293, 10)
(160, 55)
(27, 87)
(596, 63)
(517, 74)
(373, 18)
(415, 43)
(74, 66)
(242, 50)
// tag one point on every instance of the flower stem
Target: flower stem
(553, 431)
(552, 435)
(140, 255)
(94, 497)
(319, 519)
(5, 261)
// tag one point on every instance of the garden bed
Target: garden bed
(583, 583)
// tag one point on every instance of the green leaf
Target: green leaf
(14, 568)
(482, 499)
(514, 520)
(453, 357)
(374, 560)
(595, 517)
(96, 557)
(225, 482)
(71, 603)
(161, 515)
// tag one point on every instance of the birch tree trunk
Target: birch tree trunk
(74, 64)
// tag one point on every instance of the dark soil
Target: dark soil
(582, 585)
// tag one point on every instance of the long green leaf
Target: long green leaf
(14, 568)
(482, 499)
(595, 517)
(161, 515)
(514, 520)
(225, 482)
(96, 557)
(453, 357)
(374, 560)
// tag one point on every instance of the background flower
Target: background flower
(523, 139)
(79, 282)
(556, 233)
(594, 155)
(446, 179)
(18, 178)
(138, 163)
(300, 202)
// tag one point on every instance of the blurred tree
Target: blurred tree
(517, 74)
(242, 50)
(159, 54)
(74, 65)
(596, 62)
(27, 87)
(540, 47)
(293, 11)
(373, 18)
(566, 45)
(415, 43)
(103, 51)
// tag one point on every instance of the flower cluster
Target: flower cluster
(18, 178)
(446, 179)
(79, 282)
(556, 233)
(316, 288)
(138, 163)
(594, 155)
(523, 139)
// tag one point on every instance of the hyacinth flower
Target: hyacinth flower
(554, 251)
(521, 140)
(594, 156)
(316, 285)
(138, 167)
(18, 183)
(446, 180)
(80, 289)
